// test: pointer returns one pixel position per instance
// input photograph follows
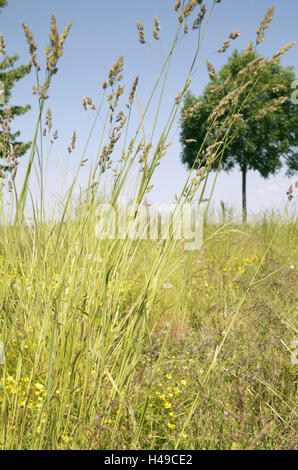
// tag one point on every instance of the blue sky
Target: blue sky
(103, 30)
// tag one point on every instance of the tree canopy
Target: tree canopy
(11, 148)
(265, 128)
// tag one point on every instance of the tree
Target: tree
(265, 133)
(10, 147)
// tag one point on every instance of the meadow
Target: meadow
(125, 343)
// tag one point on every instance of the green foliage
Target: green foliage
(9, 76)
(265, 136)
(3, 3)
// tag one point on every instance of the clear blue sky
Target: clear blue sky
(103, 30)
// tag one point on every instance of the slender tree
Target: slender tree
(11, 148)
(265, 133)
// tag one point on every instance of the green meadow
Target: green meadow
(138, 343)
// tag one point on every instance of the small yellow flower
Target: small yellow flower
(171, 426)
(183, 382)
(106, 420)
(168, 376)
(167, 404)
(234, 446)
(39, 387)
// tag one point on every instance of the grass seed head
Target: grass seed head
(235, 34)
(32, 46)
(140, 27)
(156, 23)
(155, 34)
(177, 5)
(133, 90)
(265, 23)
(284, 49)
(2, 44)
(224, 47)
(211, 70)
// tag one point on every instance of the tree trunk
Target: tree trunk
(244, 206)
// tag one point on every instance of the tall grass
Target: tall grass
(133, 343)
